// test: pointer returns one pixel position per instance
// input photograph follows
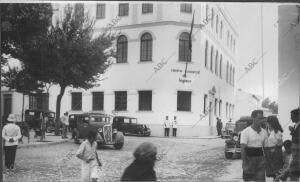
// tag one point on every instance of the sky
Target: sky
(247, 18)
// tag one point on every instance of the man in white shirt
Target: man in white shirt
(174, 126)
(65, 124)
(252, 141)
(167, 126)
(11, 134)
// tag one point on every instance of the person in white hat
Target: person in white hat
(11, 134)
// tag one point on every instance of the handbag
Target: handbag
(98, 160)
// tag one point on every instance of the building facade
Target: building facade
(155, 75)
(288, 63)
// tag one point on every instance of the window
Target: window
(98, 101)
(234, 45)
(221, 30)
(212, 18)
(184, 101)
(233, 74)
(145, 100)
(76, 101)
(123, 9)
(227, 40)
(220, 108)
(226, 109)
(227, 69)
(216, 63)
(230, 75)
(216, 106)
(122, 45)
(221, 64)
(211, 57)
(207, 12)
(100, 11)
(146, 47)
(217, 24)
(120, 100)
(184, 51)
(229, 112)
(147, 8)
(230, 41)
(186, 8)
(206, 53)
(205, 103)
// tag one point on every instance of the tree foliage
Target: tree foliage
(272, 105)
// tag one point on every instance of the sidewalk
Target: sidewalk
(50, 139)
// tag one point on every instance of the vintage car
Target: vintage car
(232, 145)
(100, 123)
(228, 130)
(33, 119)
(130, 125)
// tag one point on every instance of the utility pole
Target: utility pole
(262, 51)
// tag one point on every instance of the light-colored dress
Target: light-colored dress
(88, 170)
(273, 153)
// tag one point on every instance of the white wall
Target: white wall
(289, 63)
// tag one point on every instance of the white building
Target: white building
(288, 62)
(246, 103)
(146, 81)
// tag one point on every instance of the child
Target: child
(287, 156)
(87, 153)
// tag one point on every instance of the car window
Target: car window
(31, 113)
(134, 120)
(51, 115)
(126, 120)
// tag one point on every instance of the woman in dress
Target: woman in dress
(273, 147)
(87, 153)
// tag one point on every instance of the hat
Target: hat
(12, 118)
(146, 152)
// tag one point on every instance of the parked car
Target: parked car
(232, 145)
(130, 125)
(100, 123)
(228, 130)
(33, 119)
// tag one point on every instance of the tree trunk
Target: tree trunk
(58, 102)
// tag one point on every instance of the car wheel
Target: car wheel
(228, 155)
(48, 129)
(118, 145)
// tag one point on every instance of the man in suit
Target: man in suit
(294, 170)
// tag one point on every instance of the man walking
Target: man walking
(252, 141)
(65, 124)
(167, 126)
(174, 126)
(294, 168)
(11, 134)
(219, 126)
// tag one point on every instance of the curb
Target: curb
(42, 144)
(170, 137)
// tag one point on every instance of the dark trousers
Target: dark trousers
(167, 131)
(174, 132)
(10, 155)
(219, 131)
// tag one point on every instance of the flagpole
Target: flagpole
(262, 51)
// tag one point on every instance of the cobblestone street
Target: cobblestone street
(183, 160)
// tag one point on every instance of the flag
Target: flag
(191, 32)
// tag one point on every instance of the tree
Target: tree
(70, 55)
(272, 105)
(22, 82)
(21, 24)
